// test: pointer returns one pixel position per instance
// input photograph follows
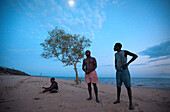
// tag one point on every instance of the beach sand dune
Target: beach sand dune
(23, 94)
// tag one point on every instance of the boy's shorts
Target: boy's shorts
(123, 76)
(91, 77)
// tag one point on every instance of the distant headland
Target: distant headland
(9, 71)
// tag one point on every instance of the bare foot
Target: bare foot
(116, 102)
(90, 98)
(131, 107)
(97, 100)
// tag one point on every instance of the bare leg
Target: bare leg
(89, 90)
(118, 95)
(130, 98)
(96, 92)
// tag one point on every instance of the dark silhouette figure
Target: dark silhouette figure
(89, 66)
(53, 88)
(122, 72)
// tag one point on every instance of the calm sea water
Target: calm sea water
(158, 83)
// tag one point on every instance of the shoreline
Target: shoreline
(100, 82)
(25, 91)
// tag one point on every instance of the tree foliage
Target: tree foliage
(65, 47)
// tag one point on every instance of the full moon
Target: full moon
(71, 3)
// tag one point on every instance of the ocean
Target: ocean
(157, 83)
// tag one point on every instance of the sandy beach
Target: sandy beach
(24, 94)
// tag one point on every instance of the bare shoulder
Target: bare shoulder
(93, 58)
(129, 53)
(126, 51)
(84, 60)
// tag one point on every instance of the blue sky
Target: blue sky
(143, 27)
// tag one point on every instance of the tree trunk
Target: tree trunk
(77, 78)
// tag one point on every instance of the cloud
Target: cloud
(163, 75)
(115, 1)
(159, 59)
(83, 17)
(109, 65)
(141, 64)
(4, 58)
(160, 65)
(102, 3)
(100, 17)
(158, 51)
(118, 3)
(66, 28)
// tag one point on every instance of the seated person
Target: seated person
(53, 88)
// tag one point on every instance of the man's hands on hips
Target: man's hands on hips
(124, 66)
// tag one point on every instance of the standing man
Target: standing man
(89, 66)
(122, 72)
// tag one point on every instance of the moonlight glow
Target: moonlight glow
(71, 3)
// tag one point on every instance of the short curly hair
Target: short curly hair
(52, 78)
(88, 51)
(118, 44)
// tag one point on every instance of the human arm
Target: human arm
(134, 56)
(45, 87)
(50, 88)
(57, 86)
(115, 62)
(83, 66)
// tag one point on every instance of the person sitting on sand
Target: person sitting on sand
(53, 88)
(89, 66)
(122, 72)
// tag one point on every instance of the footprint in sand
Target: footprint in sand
(72, 84)
(102, 91)
(164, 98)
(136, 104)
(7, 107)
(61, 106)
(141, 111)
(3, 101)
(36, 98)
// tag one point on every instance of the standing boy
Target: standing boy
(89, 66)
(122, 72)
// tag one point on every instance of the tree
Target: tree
(67, 48)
